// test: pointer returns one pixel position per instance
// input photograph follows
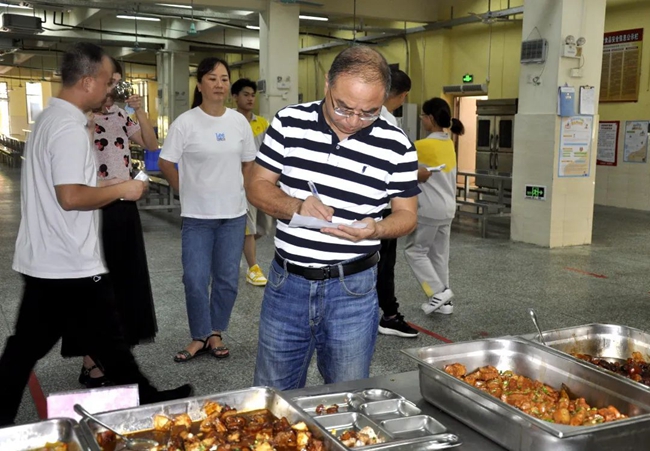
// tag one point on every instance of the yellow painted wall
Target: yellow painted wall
(627, 185)
(18, 111)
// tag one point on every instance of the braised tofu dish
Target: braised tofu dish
(223, 428)
(534, 397)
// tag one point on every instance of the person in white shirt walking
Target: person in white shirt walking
(58, 248)
(214, 148)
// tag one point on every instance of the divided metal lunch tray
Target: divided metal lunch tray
(511, 427)
(394, 419)
(254, 398)
(36, 435)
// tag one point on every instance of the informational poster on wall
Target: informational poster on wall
(575, 144)
(607, 152)
(621, 69)
(635, 145)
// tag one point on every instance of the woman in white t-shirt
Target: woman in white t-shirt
(214, 148)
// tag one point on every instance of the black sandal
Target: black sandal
(219, 352)
(187, 355)
(92, 382)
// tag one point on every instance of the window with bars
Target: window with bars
(34, 100)
(141, 87)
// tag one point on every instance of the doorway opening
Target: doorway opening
(465, 111)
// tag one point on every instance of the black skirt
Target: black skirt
(126, 260)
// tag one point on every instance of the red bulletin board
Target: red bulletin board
(607, 154)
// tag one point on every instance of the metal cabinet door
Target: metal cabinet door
(504, 133)
(504, 167)
(485, 133)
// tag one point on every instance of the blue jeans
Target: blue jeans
(336, 317)
(212, 248)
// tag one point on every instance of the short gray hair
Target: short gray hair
(363, 62)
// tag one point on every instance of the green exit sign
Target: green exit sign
(468, 78)
(535, 192)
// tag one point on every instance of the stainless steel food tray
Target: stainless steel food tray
(254, 398)
(516, 430)
(36, 435)
(601, 340)
(394, 419)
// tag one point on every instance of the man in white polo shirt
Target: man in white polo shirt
(57, 250)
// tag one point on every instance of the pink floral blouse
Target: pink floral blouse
(111, 140)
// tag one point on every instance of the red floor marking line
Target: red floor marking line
(37, 395)
(428, 332)
(586, 273)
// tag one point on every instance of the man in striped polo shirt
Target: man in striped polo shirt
(321, 292)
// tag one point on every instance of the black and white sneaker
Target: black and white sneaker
(437, 301)
(396, 326)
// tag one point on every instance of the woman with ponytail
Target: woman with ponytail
(427, 248)
(214, 148)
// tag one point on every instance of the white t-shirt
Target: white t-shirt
(209, 151)
(53, 243)
(388, 116)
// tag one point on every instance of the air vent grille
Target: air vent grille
(534, 51)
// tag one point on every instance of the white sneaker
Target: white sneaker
(437, 301)
(446, 309)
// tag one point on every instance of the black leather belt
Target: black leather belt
(328, 272)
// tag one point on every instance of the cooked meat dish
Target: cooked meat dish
(534, 397)
(364, 437)
(322, 410)
(56, 446)
(223, 429)
(635, 368)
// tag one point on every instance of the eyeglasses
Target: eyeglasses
(348, 113)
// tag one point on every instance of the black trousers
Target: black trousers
(126, 260)
(48, 309)
(386, 276)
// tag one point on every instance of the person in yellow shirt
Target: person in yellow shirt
(427, 247)
(258, 223)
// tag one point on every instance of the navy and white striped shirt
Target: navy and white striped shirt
(356, 177)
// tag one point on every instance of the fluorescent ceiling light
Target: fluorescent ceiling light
(151, 19)
(252, 27)
(15, 6)
(171, 5)
(323, 19)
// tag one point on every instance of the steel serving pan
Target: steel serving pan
(254, 398)
(598, 340)
(516, 430)
(36, 435)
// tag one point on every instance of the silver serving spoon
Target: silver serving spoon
(533, 315)
(134, 444)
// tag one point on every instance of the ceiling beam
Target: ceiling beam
(83, 16)
(429, 27)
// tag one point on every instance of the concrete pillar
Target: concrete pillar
(279, 32)
(565, 217)
(173, 69)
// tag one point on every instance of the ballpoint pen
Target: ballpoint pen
(313, 190)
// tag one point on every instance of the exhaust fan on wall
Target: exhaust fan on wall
(466, 89)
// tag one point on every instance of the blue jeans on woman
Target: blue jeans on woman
(337, 317)
(212, 248)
